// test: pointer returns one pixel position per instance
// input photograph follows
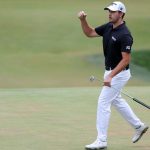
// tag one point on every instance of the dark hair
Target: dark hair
(123, 14)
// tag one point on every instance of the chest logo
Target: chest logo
(113, 38)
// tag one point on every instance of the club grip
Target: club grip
(138, 101)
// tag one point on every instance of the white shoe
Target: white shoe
(139, 132)
(96, 145)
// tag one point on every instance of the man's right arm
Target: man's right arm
(88, 31)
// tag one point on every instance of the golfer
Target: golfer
(117, 43)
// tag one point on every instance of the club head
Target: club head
(92, 78)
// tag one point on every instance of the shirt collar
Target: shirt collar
(118, 27)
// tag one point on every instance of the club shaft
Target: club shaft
(135, 99)
(117, 89)
(140, 102)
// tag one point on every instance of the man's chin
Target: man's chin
(110, 20)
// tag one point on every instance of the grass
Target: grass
(63, 118)
(42, 44)
(142, 58)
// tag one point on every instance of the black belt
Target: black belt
(111, 68)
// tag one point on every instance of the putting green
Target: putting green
(63, 118)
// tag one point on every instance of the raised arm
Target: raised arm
(88, 30)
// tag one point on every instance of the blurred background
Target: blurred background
(42, 44)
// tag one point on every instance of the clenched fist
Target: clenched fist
(82, 15)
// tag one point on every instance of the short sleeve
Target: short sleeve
(100, 29)
(126, 43)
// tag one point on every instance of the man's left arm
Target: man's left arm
(122, 64)
(126, 44)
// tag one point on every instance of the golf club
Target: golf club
(93, 78)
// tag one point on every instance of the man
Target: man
(117, 42)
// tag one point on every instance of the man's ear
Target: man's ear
(121, 14)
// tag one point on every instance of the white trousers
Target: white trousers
(110, 96)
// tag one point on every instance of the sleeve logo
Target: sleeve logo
(128, 47)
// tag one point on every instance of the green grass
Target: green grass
(142, 58)
(63, 118)
(42, 44)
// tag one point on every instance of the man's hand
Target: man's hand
(82, 15)
(107, 81)
(87, 29)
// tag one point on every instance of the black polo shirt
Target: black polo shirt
(115, 41)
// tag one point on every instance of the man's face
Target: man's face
(114, 16)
